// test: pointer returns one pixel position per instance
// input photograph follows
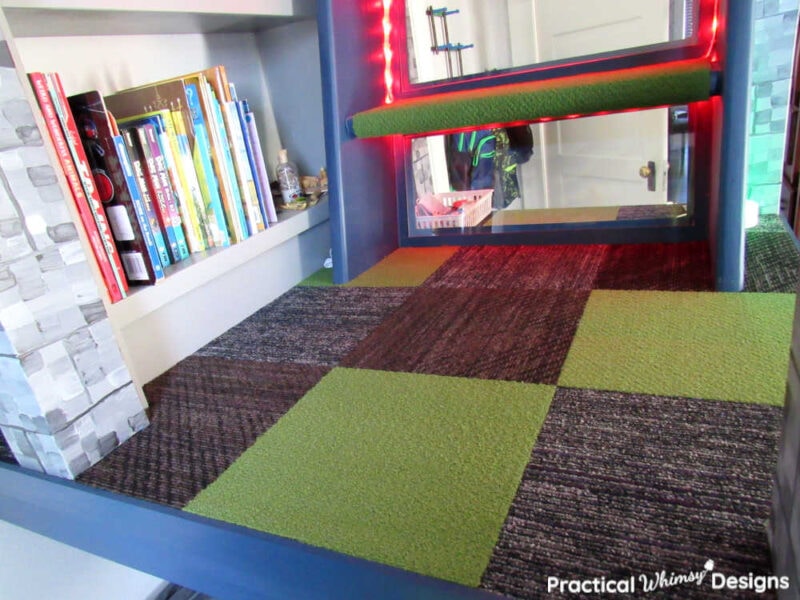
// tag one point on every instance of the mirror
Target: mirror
(614, 167)
(471, 37)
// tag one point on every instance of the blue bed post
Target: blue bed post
(728, 234)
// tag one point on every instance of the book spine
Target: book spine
(263, 178)
(220, 141)
(141, 178)
(126, 170)
(251, 159)
(192, 220)
(201, 155)
(41, 89)
(205, 215)
(160, 165)
(156, 192)
(241, 162)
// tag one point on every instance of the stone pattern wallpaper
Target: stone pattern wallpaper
(66, 397)
(771, 72)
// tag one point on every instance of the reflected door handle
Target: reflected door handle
(648, 172)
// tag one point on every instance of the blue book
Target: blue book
(138, 205)
(251, 158)
(202, 157)
(228, 168)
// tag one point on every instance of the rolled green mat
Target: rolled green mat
(666, 84)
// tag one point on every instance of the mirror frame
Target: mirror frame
(701, 43)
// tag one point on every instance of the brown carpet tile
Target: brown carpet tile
(204, 413)
(517, 335)
(673, 267)
(521, 267)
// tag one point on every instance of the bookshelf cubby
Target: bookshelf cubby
(109, 46)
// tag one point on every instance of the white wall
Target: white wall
(33, 566)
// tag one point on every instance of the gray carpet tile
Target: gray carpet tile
(622, 485)
(312, 325)
(562, 267)
(772, 261)
(204, 412)
(516, 335)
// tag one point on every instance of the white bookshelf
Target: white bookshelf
(108, 46)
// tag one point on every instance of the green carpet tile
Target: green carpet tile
(516, 335)
(622, 484)
(323, 277)
(694, 344)
(414, 471)
(405, 267)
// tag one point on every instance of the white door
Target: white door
(596, 161)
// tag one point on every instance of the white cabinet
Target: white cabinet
(108, 46)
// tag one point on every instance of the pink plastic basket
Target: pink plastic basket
(477, 207)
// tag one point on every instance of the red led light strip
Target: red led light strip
(387, 51)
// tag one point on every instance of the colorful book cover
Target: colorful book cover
(130, 228)
(251, 159)
(229, 188)
(172, 95)
(263, 178)
(202, 156)
(244, 175)
(183, 202)
(136, 160)
(88, 222)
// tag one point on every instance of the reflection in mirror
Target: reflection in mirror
(615, 167)
(470, 37)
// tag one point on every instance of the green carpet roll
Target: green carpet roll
(640, 87)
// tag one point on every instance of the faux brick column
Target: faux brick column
(785, 518)
(66, 397)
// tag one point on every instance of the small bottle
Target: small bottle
(288, 179)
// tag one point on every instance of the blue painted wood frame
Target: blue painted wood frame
(216, 558)
(727, 241)
(361, 173)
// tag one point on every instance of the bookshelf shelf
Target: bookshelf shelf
(48, 18)
(194, 273)
(108, 46)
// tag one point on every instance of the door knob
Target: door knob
(648, 172)
(645, 171)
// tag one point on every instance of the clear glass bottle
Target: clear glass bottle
(288, 178)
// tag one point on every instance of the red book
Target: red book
(88, 220)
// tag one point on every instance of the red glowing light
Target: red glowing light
(387, 51)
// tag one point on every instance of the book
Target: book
(263, 178)
(172, 95)
(160, 192)
(129, 139)
(244, 172)
(105, 151)
(200, 103)
(99, 237)
(239, 203)
(251, 158)
(180, 203)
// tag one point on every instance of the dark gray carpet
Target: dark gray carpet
(521, 267)
(622, 485)
(204, 412)
(772, 261)
(312, 325)
(651, 211)
(517, 335)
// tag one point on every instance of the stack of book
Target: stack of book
(158, 172)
